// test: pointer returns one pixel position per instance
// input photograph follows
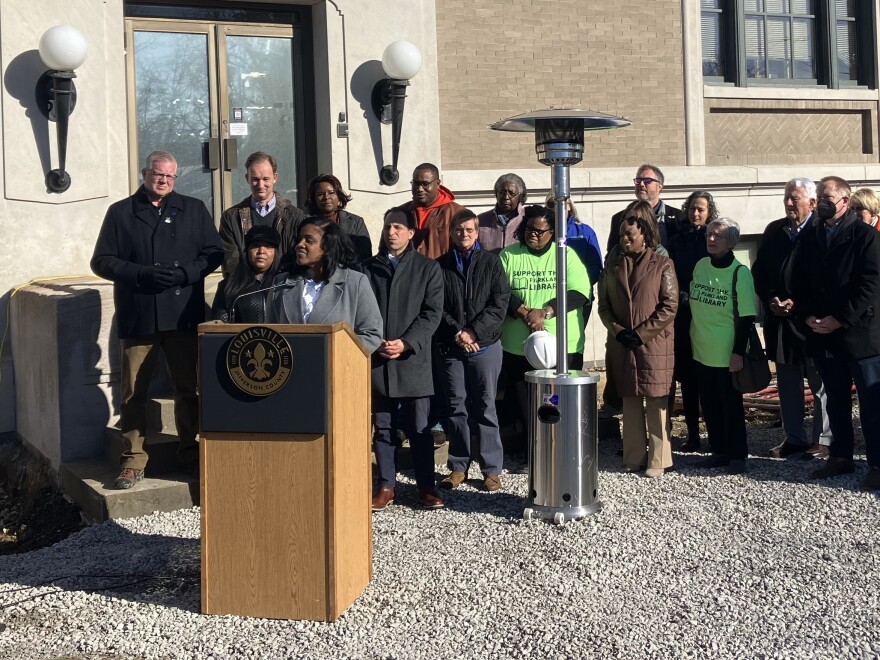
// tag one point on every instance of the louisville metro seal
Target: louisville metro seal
(258, 361)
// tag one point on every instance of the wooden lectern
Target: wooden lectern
(285, 470)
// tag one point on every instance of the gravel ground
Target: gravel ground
(697, 564)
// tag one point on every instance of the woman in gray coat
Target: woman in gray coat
(323, 287)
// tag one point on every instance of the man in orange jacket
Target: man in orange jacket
(431, 208)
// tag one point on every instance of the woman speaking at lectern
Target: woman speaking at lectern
(323, 286)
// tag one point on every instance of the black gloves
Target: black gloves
(629, 338)
(161, 277)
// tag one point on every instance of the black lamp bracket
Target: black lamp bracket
(46, 88)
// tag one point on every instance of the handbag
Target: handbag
(755, 374)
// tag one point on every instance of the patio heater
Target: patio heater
(562, 427)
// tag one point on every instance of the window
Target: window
(788, 42)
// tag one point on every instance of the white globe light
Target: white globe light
(401, 60)
(63, 48)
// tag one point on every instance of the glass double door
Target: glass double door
(211, 94)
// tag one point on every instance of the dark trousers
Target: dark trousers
(610, 398)
(471, 383)
(688, 376)
(838, 375)
(410, 415)
(723, 411)
(139, 356)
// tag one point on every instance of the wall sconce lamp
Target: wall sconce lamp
(400, 61)
(62, 49)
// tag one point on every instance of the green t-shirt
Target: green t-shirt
(532, 278)
(711, 306)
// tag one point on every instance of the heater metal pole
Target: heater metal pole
(561, 191)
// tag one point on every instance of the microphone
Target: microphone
(253, 293)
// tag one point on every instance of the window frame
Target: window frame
(733, 49)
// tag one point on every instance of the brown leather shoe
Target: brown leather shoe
(430, 499)
(816, 451)
(786, 449)
(453, 480)
(834, 467)
(492, 482)
(872, 479)
(383, 497)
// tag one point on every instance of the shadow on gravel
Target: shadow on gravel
(111, 560)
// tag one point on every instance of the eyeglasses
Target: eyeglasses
(424, 185)
(647, 180)
(507, 193)
(536, 232)
(631, 219)
(163, 177)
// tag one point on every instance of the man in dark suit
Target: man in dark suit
(836, 291)
(648, 184)
(157, 247)
(783, 336)
(409, 290)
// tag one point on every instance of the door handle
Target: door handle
(230, 151)
(212, 148)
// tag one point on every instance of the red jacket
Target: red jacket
(432, 223)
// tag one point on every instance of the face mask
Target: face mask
(825, 209)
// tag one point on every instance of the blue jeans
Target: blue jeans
(471, 383)
(839, 374)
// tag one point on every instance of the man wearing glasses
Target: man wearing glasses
(157, 247)
(261, 207)
(431, 209)
(648, 185)
(835, 289)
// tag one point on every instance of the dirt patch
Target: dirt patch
(33, 513)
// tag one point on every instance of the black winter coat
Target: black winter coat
(245, 308)
(133, 236)
(840, 280)
(674, 220)
(476, 300)
(356, 228)
(771, 271)
(410, 300)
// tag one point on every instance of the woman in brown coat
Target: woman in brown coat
(638, 298)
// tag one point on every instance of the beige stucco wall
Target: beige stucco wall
(46, 234)
(349, 38)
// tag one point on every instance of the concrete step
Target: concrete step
(90, 484)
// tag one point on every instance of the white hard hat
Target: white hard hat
(540, 350)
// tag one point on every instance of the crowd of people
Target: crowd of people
(448, 302)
